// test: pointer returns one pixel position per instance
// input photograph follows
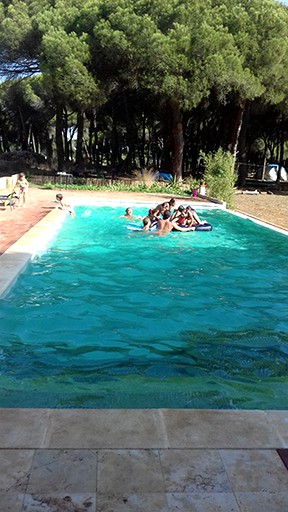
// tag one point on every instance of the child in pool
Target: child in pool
(63, 206)
(129, 215)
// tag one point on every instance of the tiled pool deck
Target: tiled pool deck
(136, 460)
(142, 460)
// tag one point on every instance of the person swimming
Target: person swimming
(129, 215)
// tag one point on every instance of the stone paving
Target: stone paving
(142, 460)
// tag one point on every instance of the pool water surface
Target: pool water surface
(108, 318)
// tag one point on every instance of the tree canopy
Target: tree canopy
(141, 82)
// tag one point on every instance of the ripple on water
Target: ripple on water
(109, 318)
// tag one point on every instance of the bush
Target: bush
(170, 188)
(220, 175)
(146, 177)
(193, 183)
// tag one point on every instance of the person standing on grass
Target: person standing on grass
(23, 188)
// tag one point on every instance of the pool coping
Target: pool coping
(256, 220)
(143, 429)
(15, 259)
(127, 428)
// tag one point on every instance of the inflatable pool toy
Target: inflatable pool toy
(136, 227)
(203, 227)
(199, 227)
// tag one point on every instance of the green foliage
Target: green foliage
(49, 186)
(185, 53)
(16, 26)
(193, 183)
(64, 64)
(220, 175)
(260, 31)
(121, 186)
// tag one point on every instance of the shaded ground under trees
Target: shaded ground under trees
(122, 84)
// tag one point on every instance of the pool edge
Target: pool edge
(15, 259)
(142, 429)
(257, 220)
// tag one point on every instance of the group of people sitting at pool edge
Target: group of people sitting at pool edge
(165, 217)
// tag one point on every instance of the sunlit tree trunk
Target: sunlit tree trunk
(166, 130)
(281, 156)
(65, 135)
(243, 146)
(234, 141)
(80, 135)
(178, 140)
(59, 137)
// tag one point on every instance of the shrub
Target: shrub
(157, 187)
(193, 183)
(146, 176)
(48, 185)
(219, 175)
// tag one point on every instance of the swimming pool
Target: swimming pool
(106, 318)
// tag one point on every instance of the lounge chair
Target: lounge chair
(9, 199)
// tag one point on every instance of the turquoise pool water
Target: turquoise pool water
(107, 318)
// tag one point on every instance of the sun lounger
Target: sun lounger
(8, 199)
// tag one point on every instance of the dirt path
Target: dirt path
(270, 208)
(13, 224)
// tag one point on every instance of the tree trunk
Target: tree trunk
(237, 128)
(281, 157)
(59, 137)
(243, 147)
(65, 136)
(5, 143)
(80, 135)
(148, 148)
(92, 134)
(142, 142)
(23, 132)
(114, 145)
(166, 131)
(49, 148)
(178, 140)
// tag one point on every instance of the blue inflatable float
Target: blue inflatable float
(200, 227)
(203, 227)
